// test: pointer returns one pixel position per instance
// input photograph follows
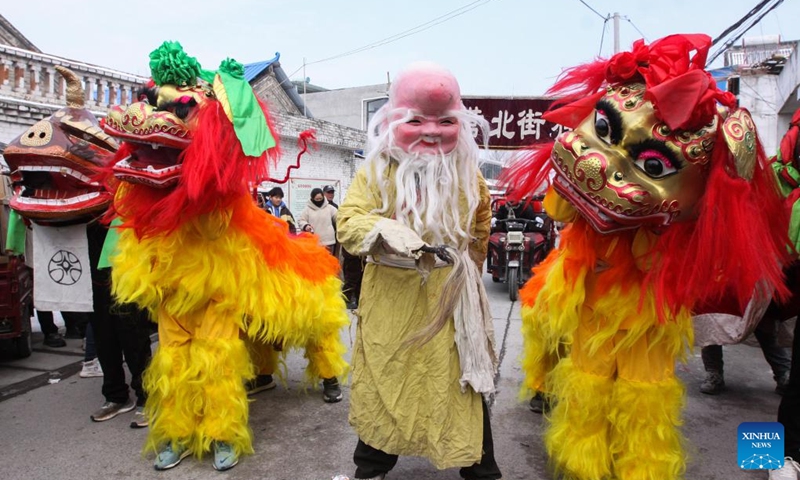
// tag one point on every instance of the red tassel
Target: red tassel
(305, 137)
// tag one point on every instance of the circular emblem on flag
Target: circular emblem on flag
(65, 268)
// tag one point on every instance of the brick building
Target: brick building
(336, 158)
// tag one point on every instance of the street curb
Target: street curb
(40, 380)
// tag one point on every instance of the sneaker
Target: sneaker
(168, 457)
(714, 383)
(331, 391)
(787, 472)
(224, 456)
(110, 410)
(539, 404)
(139, 419)
(54, 340)
(259, 384)
(91, 369)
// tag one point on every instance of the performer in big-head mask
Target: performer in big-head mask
(419, 209)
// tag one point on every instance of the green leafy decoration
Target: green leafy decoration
(232, 68)
(170, 65)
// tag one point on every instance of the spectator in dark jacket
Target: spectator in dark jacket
(275, 206)
(329, 193)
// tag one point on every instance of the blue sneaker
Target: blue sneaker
(168, 457)
(224, 456)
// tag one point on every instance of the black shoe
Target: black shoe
(54, 340)
(714, 383)
(331, 391)
(259, 384)
(352, 305)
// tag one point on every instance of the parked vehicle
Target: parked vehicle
(16, 304)
(516, 245)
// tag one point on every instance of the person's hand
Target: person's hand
(308, 228)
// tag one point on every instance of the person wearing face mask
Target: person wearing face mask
(319, 217)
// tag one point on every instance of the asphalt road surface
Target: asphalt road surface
(46, 433)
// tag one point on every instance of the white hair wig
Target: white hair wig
(428, 187)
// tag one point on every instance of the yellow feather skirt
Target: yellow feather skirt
(608, 365)
(206, 291)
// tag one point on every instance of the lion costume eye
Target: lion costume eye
(602, 127)
(655, 164)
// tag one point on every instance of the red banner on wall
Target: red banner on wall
(514, 122)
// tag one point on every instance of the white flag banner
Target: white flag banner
(62, 277)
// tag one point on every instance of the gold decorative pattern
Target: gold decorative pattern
(609, 184)
(739, 132)
(628, 97)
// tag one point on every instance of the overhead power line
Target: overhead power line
(636, 28)
(733, 27)
(602, 37)
(595, 11)
(738, 29)
(411, 31)
(406, 33)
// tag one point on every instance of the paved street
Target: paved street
(46, 432)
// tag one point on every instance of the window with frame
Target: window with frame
(372, 106)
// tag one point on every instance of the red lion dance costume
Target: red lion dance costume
(665, 192)
(197, 252)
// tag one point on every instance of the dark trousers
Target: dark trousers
(119, 330)
(352, 270)
(779, 358)
(46, 322)
(91, 350)
(371, 462)
(789, 410)
(76, 322)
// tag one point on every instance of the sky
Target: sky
(494, 47)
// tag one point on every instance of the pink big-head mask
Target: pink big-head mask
(427, 96)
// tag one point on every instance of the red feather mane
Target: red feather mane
(215, 172)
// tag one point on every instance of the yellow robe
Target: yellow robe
(407, 400)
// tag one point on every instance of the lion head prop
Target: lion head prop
(195, 141)
(54, 163)
(657, 151)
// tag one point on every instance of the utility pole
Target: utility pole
(616, 32)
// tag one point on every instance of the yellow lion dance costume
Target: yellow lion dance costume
(197, 252)
(670, 204)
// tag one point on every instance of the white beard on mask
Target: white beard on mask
(428, 187)
(428, 190)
